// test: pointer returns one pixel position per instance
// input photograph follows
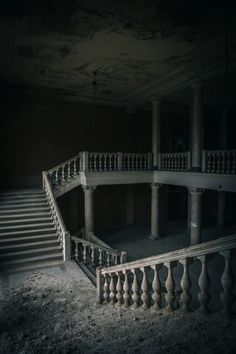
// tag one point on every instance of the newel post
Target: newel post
(85, 161)
(44, 174)
(67, 246)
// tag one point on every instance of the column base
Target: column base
(154, 237)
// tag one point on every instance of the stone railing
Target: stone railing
(63, 234)
(91, 253)
(180, 161)
(219, 161)
(103, 161)
(136, 162)
(152, 283)
(66, 170)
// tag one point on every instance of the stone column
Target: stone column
(155, 131)
(196, 215)
(88, 209)
(197, 115)
(130, 205)
(155, 212)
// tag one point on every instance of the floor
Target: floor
(135, 239)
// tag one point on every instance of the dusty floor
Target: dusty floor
(55, 311)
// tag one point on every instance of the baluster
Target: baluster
(110, 162)
(128, 162)
(93, 255)
(227, 281)
(208, 159)
(84, 253)
(144, 288)
(112, 289)
(170, 287)
(74, 167)
(68, 171)
(135, 295)
(126, 294)
(100, 257)
(204, 284)
(185, 296)
(63, 173)
(115, 259)
(56, 176)
(119, 290)
(90, 162)
(108, 260)
(156, 287)
(223, 162)
(106, 289)
(76, 251)
(228, 162)
(100, 156)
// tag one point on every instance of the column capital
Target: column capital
(89, 188)
(195, 190)
(155, 100)
(197, 84)
(155, 185)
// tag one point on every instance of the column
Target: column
(221, 209)
(130, 205)
(88, 209)
(196, 215)
(197, 115)
(155, 212)
(189, 213)
(155, 131)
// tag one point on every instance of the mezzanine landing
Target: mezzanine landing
(134, 239)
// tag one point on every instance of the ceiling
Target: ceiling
(135, 47)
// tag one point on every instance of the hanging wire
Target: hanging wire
(94, 83)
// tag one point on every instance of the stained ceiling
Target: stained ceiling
(56, 45)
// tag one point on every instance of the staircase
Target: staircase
(28, 237)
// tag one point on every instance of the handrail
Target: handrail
(91, 244)
(63, 233)
(64, 163)
(221, 244)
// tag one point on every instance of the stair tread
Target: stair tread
(15, 210)
(25, 238)
(23, 232)
(19, 205)
(16, 222)
(29, 251)
(11, 216)
(30, 244)
(32, 259)
(26, 226)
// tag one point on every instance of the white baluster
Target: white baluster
(156, 287)
(126, 294)
(112, 289)
(204, 284)
(93, 255)
(100, 257)
(144, 288)
(135, 295)
(170, 287)
(108, 259)
(76, 251)
(119, 296)
(84, 253)
(185, 296)
(74, 167)
(227, 281)
(106, 289)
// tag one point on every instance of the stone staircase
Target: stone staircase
(28, 237)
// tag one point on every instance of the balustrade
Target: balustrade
(174, 161)
(65, 171)
(219, 161)
(141, 283)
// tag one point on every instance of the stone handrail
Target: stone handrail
(66, 170)
(219, 161)
(63, 234)
(103, 161)
(121, 284)
(180, 161)
(137, 162)
(96, 255)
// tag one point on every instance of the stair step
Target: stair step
(22, 216)
(30, 238)
(25, 232)
(29, 209)
(23, 205)
(24, 221)
(22, 253)
(57, 255)
(28, 245)
(23, 193)
(29, 266)
(17, 201)
(26, 226)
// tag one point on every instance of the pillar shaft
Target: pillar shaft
(88, 209)
(155, 217)
(197, 126)
(155, 131)
(196, 215)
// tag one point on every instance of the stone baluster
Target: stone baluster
(115, 259)
(108, 259)
(56, 176)
(68, 171)
(93, 256)
(100, 157)
(74, 167)
(144, 288)
(185, 296)
(170, 287)
(218, 163)
(227, 281)
(84, 253)
(228, 162)
(204, 284)
(110, 162)
(135, 290)
(112, 289)
(223, 161)
(76, 251)
(106, 289)
(156, 287)
(63, 173)
(119, 296)
(126, 294)
(100, 257)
